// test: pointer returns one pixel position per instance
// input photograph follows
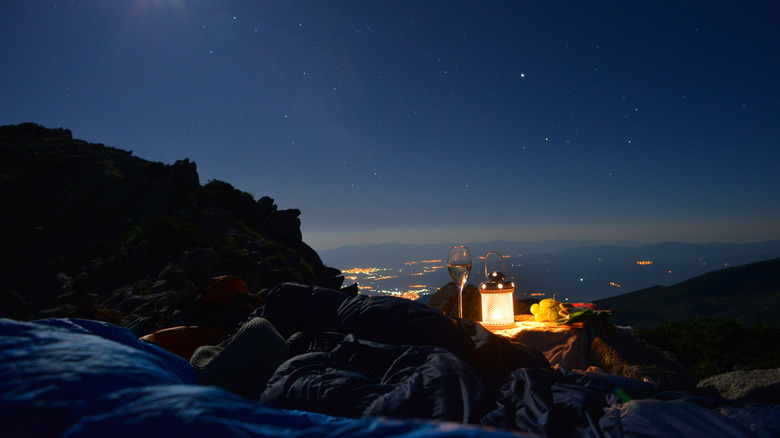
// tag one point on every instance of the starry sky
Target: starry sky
(429, 121)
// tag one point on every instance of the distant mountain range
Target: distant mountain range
(580, 270)
(392, 253)
(749, 293)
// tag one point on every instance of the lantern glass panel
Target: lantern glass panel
(498, 309)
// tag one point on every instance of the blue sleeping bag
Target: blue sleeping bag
(51, 369)
(79, 378)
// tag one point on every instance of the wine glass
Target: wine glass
(459, 265)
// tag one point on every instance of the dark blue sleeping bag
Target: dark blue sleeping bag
(362, 379)
(51, 369)
(454, 369)
(78, 378)
(388, 356)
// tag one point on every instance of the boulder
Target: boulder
(88, 306)
(619, 351)
(756, 386)
(613, 350)
(14, 305)
(446, 299)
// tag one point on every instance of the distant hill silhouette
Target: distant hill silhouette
(577, 270)
(748, 293)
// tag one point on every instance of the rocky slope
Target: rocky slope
(93, 231)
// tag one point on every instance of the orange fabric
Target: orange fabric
(565, 345)
(183, 341)
(223, 289)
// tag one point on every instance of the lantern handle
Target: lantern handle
(502, 262)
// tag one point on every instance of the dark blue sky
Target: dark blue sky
(429, 122)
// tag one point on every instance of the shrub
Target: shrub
(707, 347)
(173, 233)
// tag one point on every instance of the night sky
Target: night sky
(429, 121)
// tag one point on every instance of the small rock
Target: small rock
(66, 311)
(112, 316)
(87, 306)
(199, 259)
(12, 305)
(757, 386)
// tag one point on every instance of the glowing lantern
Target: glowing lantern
(498, 309)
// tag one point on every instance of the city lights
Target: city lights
(406, 280)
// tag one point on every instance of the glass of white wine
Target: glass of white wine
(459, 265)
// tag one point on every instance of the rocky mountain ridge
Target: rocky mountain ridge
(88, 225)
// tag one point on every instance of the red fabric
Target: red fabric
(591, 306)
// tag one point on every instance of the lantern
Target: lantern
(498, 309)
